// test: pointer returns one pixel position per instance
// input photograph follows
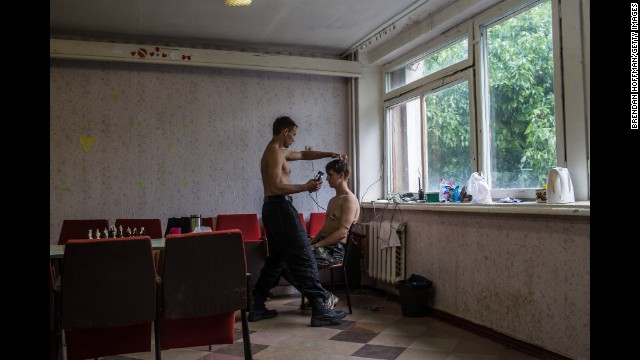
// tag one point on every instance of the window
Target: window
(406, 145)
(518, 69)
(427, 64)
(433, 128)
(448, 135)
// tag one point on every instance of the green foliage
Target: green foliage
(448, 136)
(520, 58)
(522, 116)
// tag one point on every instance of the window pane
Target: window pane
(448, 131)
(428, 64)
(405, 157)
(522, 116)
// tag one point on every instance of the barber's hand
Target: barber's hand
(313, 186)
(341, 157)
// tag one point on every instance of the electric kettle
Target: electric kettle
(559, 186)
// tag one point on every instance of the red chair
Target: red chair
(316, 221)
(255, 246)
(204, 282)
(79, 229)
(208, 221)
(108, 293)
(152, 227)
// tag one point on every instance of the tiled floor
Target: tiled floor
(375, 330)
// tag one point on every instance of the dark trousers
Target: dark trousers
(288, 248)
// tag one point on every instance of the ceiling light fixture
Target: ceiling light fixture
(237, 2)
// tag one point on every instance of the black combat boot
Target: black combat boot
(321, 314)
(258, 311)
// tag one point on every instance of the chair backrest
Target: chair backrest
(108, 292)
(208, 221)
(204, 274)
(350, 242)
(79, 229)
(108, 282)
(153, 227)
(316, 221)
(248, 224)
(204, 283)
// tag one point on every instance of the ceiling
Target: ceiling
(329, 27)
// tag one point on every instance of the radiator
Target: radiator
(385, 264)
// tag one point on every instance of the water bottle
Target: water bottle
(196, 221)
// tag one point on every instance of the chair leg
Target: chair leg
(346, 284)
(57, 325)
(302, 306)
(156, 322)
(245, 335)
(245, 325)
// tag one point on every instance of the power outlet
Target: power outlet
(308, 148)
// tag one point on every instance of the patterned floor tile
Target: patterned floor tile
(367, 327)
(392, 340)
(375, 330)
(380, 318)
(237, 349)
(458, 356)
(433, 343)
(408, 330)
(420, 354)
(379, 352)
(354, 336)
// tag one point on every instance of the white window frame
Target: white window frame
(421, 92)
(508, 9)
(475, 65)
(437, 43)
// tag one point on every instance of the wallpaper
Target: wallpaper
(157, 141)
(527, 276)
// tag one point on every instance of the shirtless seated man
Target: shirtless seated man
(328, 246)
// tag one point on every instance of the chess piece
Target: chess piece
(128, 231)
(142, 232)
(97, 233)
(90, 234)
(120, 232)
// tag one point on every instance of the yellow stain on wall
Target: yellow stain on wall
(140, 184)
(86, 142)
(185, 183)
(115, 95)
(185, 125)
(63, 187)
(172, 149)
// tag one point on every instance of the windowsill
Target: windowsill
(578, 208)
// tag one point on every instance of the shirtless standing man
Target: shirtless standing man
(288, 245)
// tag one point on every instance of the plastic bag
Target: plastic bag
(479, 189)
(446, 188)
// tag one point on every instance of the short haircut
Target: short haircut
(283, 122)
(339, 167)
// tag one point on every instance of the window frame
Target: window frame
(506, 10)
(437, 43)
(475, 64)
(421, 92)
